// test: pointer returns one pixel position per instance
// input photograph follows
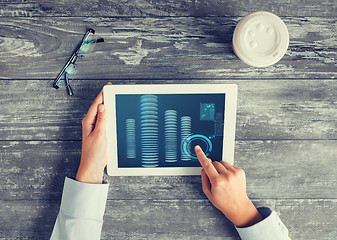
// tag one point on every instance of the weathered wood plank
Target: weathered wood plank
(175, 220)
(279, 109)
(165, 8)
(274, 169)
(159, 48)
(315, 216)
(169, 219)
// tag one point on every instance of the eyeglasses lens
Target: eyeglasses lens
(70, 73)
(87, 45)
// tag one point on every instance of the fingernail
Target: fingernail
(197, 147)
(101, 108)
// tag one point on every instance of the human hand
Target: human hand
(94, 155)
(225, 186)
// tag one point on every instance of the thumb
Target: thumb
(102, 118)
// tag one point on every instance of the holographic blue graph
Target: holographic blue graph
(161, 130)
(171, 136)
(130, 138)
(185, 129)
(149, 130)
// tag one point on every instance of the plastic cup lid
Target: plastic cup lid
(260, 39)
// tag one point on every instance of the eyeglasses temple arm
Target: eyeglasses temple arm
(69, 90)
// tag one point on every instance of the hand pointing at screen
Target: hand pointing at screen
(225, 186)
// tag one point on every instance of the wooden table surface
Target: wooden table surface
(286, 137)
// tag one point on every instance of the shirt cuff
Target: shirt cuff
(271, 227)
(84, 200)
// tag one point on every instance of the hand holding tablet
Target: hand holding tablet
(94, 143)
(223, 184)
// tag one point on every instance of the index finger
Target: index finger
(205, 163)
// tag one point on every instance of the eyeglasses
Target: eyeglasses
(69, 70)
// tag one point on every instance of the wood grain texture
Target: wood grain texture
(16, 8)
(169, 219)
(274, 169)
(278, 109)
(160, 48)
(286, 122)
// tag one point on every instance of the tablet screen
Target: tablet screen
(161, 130)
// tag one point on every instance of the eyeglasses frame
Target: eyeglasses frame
(70, 61)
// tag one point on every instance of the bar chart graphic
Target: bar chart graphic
(161, 130)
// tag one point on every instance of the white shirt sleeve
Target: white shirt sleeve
(81, 212)
(271, 227)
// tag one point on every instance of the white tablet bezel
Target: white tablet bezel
(109, 92)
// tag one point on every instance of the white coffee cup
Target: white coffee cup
(260, 39)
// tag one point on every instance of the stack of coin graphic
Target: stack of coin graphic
(130, 138)
(185, 133)
(170, 136)
(149, 130)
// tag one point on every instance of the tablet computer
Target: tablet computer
(153, 129)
